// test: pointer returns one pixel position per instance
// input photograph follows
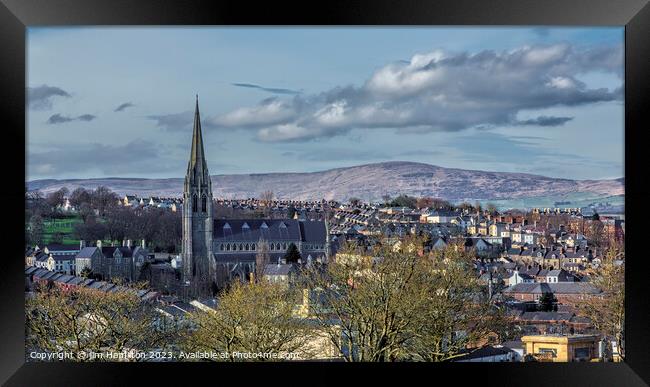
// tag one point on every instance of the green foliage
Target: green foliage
(292, 255)
(404, 201)
(547, 303)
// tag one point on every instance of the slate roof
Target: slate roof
(546, 316)
(281, 269)
(61, 247)
(484, 352)
(86, 252)
(276, 229)
(64, 278)
(556, 288)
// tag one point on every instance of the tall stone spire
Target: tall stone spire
(198, 260)
(197, 165)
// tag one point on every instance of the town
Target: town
(524, 259)
(266, 278)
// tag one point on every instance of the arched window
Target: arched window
(277, 246)
(204, 203)
(253, 246)
(194, 199)
(221, 247)
(284, 246)
(272, 246)
(241, 247)
(247, 246)
(228, 247)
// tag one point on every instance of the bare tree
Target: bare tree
(79, 196)
(251, 318)
(86, 320)
(266, 200)
(607, 313)
(402, 305)
(262, 258)
(57, 198)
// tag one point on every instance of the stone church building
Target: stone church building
(215, 251)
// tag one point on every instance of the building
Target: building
(562, 348)
(199, 268)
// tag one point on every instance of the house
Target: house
(283, 273)
(562, 348)
(518, 278)
(88, 258)
(559, 275)
(569, 293)
(124, 261)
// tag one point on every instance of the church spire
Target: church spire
(197, 156)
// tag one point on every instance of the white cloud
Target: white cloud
(440, 91)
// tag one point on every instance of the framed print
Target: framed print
(377, 188)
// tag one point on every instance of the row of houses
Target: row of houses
(44, 277)
(125, 261)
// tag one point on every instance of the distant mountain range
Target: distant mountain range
(370, 181)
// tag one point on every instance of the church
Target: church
(215, 251)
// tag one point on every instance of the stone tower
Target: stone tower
(198, 261)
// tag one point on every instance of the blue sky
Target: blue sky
(118, 101)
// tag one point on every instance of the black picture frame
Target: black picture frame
(16, 15)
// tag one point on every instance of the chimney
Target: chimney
(128, 243)
(143, 244)
(99, 243)
(82, 244)
(279, 261)
(123, 242)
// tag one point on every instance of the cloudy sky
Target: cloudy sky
(118, 101)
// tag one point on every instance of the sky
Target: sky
(118, 102)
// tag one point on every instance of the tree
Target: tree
(386, 198)
(36, 229)
(79, 196)
(292, 255)
(250, 318)
(424, 202)
(607, 312)
(266, 200)
(262, 258)
(87, 272)
(102, 198)
(403, 305)
(57, 198)
(86, 211)
(86, 320)
(492, 209)
(404, 201)
(354, 201)
(547, 302)
(291, 211)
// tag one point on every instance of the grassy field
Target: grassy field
(63, 226)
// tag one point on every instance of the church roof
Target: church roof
(267, 229)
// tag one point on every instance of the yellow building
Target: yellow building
(562, 348)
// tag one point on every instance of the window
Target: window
(247, 247)
(228, 247)
(221, 247)
(277, 246)
(581, 353)
(253, 246)
(204, 203)
(552, 351)
(194, 199)
(241, 247)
